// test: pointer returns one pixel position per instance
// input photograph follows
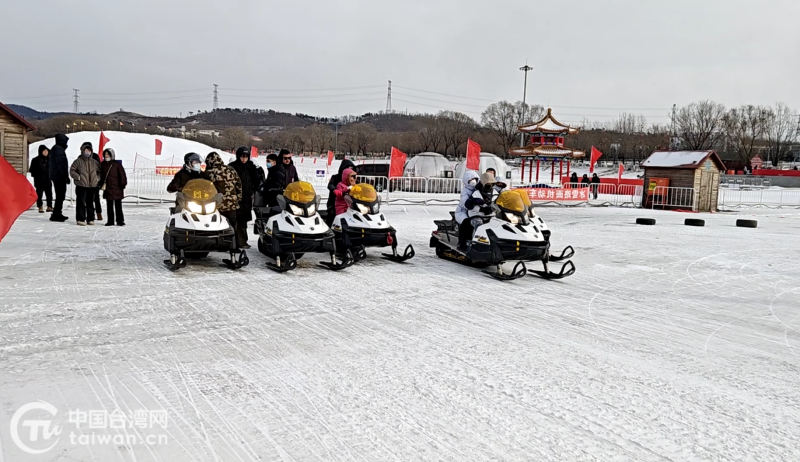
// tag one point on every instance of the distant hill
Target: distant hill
(33, 114)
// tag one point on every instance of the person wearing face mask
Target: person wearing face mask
(40, 171)
(478, 206)
(113, 183)
(191, 171)
(470, 181)
(86, 173)
(273, 185)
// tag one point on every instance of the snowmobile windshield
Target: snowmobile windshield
(524, 195)
(200, 191)
(364, 193)
(511, 201)
(300, 192)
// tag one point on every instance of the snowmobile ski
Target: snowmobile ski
(176, 261)
(568, 252)
(336, 265)
(568, 269)
(519, 271)
(408, 254)
(237, 261)
(282, 265)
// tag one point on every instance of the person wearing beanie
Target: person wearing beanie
(477, 207)
(58, 167)
(113, 182)
(250, 178)
(85, 171)
(192, 170)
(98, 208)
(40, 171)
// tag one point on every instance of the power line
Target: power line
(196, 90)
(257, 90)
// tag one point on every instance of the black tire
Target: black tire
(694, 222)
(645, 221)
(746, 224)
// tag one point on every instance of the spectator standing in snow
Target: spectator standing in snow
(585, 181)
(343, 189)
(273, 184)
(595, 185)
(289, 170)
(113, 182)
(40, 171)
(248, 175)
(227, 182)
(574, 179)
(332, 184)
(59, 175)
(192, 170)
(86, 173)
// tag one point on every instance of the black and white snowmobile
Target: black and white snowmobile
(195, 227)
(294, 228)
(513, 236)
(363, 225)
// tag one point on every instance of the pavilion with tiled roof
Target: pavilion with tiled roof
(546, 144)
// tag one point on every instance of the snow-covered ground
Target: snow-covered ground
(669, 343)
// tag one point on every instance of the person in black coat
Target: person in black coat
(585, 181)
(58, 167)
(574, 179)
(335, 180)
(191, 171)
(249, 176)
(289, 170)
(595, 185)
(113, 182)
(273, 185)
(40, 171)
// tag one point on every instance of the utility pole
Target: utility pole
(524, 68)
(389, 99)
(216, 98)
(75, 99)
(673, 137)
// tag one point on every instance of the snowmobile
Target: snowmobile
(294, 228)
(362, 225)
(513, 235)
(195, 227)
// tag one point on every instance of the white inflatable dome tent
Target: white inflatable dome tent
(427, 165)
(488, 160)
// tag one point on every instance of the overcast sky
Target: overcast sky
(591, 58)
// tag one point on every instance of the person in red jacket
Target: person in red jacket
(343, 188)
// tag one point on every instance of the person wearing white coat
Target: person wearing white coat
(476, 205)
(470, 180)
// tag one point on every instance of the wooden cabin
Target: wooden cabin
(682, 180)
(14, 138)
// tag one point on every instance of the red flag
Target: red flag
(397, 163)
(103, 141)
(18, 195)
(473, 155)
(253, 152)
(159, 145)
(595, 155)
(330, 158)
(621, 169)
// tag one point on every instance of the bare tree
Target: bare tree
(232, 138)
(457, 127)
(745, 127)
(320, 137)
(504, 118)
(359, 138)
(630, 124)
(429, 133)
(781, 131)
(699, 125)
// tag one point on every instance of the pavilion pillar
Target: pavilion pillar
(522, 173)
(553, 172)
(537, 170)
(560, 171)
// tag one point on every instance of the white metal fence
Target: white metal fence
(147, 185)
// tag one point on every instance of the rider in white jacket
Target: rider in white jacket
(470, 180)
